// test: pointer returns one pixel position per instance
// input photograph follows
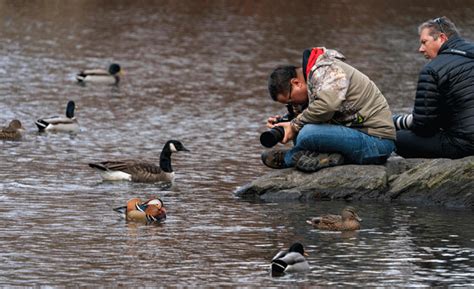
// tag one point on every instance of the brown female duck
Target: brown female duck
(347, 221)
(12, 131)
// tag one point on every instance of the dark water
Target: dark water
(197, 72)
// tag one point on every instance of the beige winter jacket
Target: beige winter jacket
(340, 94)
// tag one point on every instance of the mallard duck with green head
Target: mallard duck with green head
(67, 123)
(290, 261)
(109, 76)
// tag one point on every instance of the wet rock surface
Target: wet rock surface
(442, 182)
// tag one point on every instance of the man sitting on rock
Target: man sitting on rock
(442, 122)
(340, 114)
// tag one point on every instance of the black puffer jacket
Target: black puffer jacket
(445, 95)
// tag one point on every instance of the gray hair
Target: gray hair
(439, 25)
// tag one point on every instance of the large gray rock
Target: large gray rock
(440, 181)
(434, 181)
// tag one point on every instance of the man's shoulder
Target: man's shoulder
(332, 53)
(442, 60)
(455, 49)
(436, 64)
(458, 43)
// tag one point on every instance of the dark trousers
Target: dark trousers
(441, 145)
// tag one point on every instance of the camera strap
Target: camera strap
(458, 52)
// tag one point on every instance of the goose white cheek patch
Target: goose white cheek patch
(173, 148)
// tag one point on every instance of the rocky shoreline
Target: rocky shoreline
(442, 182)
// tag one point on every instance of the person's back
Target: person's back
(371, 105)
(341, 94)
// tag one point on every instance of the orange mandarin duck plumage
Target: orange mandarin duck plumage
(150, 211)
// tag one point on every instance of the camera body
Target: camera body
(275, 135)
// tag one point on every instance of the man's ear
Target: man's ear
(443, 37)
(295, 81)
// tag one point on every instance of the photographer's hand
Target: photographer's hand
(290, 131)
(272, 120)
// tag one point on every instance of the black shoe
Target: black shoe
(313, 163)
(274, 159)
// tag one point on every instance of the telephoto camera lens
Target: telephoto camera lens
(273, 136)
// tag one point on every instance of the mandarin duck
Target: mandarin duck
(150, 211)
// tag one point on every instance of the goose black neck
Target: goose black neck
(165, 160)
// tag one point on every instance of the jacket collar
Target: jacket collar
(453, 42)
(324, 57)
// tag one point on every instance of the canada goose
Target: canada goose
(290, 261)
(12, 131)
(66, 123)
(150, 211)
(110, 76)
(141, 171)
(347, 221)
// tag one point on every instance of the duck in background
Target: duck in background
(290, 261)
(67, 123)
(110, 76)
(141, 171)
(347, 221)
(13, 131)
(150, 211)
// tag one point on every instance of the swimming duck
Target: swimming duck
(12, 131)
(150, 211)
(66, 123)
(110, 76)
(347, 221)
(290, 261)
(141, 171)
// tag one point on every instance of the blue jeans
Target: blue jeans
(356, 147)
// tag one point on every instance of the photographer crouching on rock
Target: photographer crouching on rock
(442, 122)
(336, 115)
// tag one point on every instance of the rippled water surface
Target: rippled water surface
(197, 72)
